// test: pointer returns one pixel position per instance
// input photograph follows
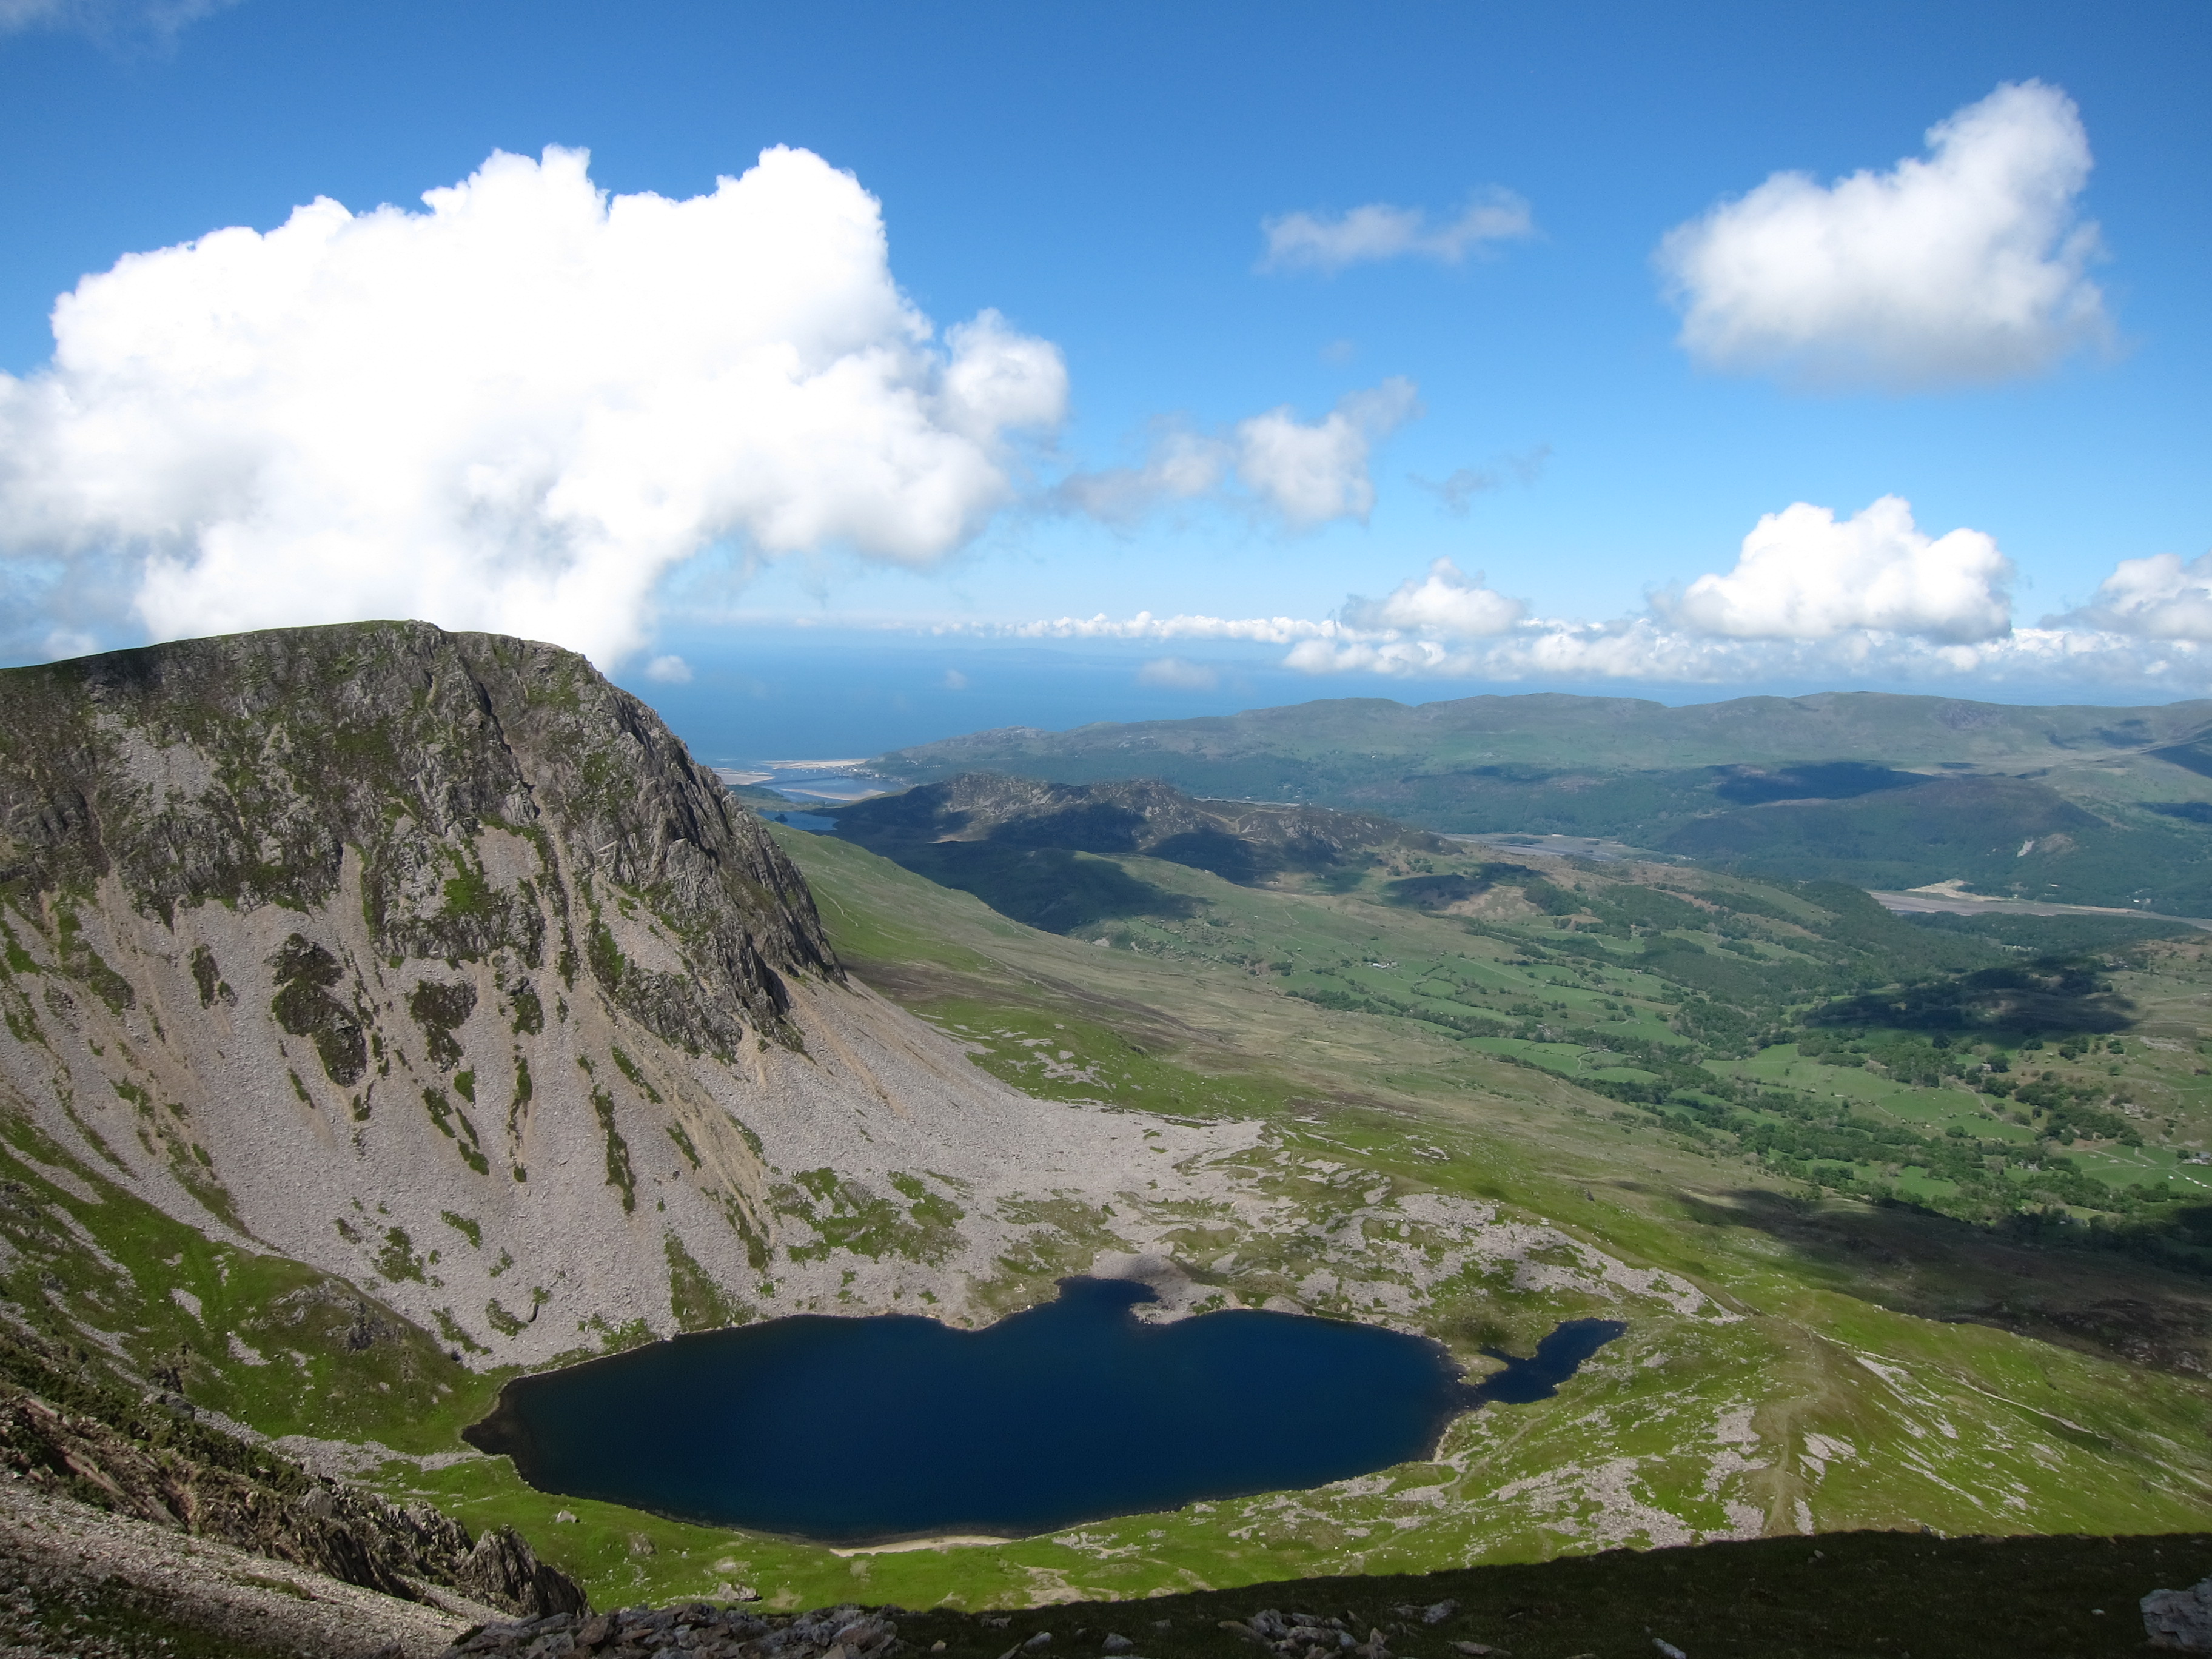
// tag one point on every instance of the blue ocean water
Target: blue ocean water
(767, 693)
(852, 1431)
(778, 694)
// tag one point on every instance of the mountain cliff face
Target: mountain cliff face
(433, 961)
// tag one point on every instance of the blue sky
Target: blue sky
(1154, 416)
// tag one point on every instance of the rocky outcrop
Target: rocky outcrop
(504, 1570)
(246, 771)
(2179, 1620)
(78, 1582)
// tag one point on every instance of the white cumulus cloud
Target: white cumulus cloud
(517, 410)
(2159, 597)
(1803, 575)
(1378, 230)
(669, 671)
(1444, 603)
(1810, 597)
(1969, 265)
(1303, 472)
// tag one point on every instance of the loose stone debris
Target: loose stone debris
(699, 1629)
(1309, 1635)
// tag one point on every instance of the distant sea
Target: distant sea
(808, 694)
(762, 694)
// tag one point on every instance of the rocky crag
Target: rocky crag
(432, 961)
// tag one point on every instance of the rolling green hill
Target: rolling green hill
(2078, 805)
(1022, 847)
(1697, 999)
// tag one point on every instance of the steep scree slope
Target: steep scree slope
(433, 961)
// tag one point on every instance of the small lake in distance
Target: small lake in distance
(863, 1431)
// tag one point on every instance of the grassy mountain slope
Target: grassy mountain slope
(2083, 804)
(1800, 1025)
(1789, 1346)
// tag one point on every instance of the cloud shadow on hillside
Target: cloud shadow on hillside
(2051, 996)
(1049, 888)
(1914, 1261)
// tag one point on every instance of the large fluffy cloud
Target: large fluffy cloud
(515, 411)
(1968, 265)
(1378, 230)
(1303, 472)
(1803, 575)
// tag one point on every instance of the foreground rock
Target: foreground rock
(150, 1461)
(2180, 1619)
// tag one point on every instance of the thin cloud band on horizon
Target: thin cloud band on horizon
(1871, 596)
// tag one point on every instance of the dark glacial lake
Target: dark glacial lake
(864, 1431)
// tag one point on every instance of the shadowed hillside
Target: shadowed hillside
(1033, 851)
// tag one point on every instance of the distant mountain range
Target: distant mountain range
(2076, 804)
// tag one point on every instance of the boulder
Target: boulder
(2180, 1619)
